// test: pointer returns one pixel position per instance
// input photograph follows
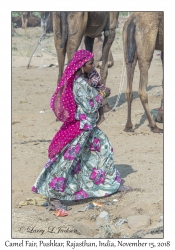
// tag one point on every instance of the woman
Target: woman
(81, 163)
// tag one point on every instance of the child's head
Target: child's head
(94, 77)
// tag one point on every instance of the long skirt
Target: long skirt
(83, 169)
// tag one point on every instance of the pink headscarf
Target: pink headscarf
(64, 106)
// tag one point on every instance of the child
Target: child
(95, 81)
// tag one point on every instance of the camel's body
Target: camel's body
(97, 50)
(70, 27)
(142, 34)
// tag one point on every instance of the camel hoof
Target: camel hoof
(128, 129)
(159, 117)
(159, 120)
(157, 130)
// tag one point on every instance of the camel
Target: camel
(47, 27)
(142, 34)
(70, 27)
(29, 20)
(26, 19)
(97, 50)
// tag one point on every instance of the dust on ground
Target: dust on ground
(138, 155)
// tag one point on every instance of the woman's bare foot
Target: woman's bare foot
(123, 188)
(100, 120)
(57, 205)
(60, 210)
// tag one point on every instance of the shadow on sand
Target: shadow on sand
(112, 100)
(122, 100)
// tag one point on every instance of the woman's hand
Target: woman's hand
(89, 82)
(106, 90)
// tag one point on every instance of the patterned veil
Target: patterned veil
(63, 104)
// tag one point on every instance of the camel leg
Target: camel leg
(107, 43)
(22, 20)
(108, 40)
(144, 66)
(76, 33)
(74, 40)
(73, 44)
(162, 81)
(160, 112)
(61, 52)
(110, 59)
(129, 95)
(130, 55)
(89, 41)
(146, 42)
(25, 23)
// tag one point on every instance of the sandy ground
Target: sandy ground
(138, 155)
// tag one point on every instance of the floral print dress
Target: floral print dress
(85, 167)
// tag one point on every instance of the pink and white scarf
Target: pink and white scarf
(63, 104)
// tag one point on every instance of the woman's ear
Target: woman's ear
(82, 70)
